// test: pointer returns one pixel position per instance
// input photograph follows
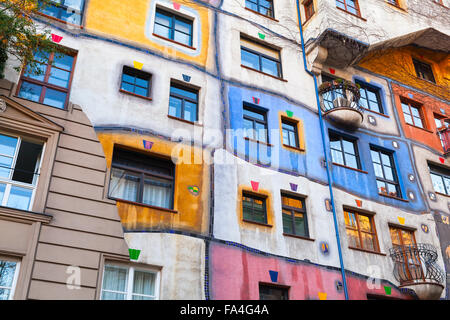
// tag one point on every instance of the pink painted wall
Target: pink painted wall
(235, 274)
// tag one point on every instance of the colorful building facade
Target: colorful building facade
(250, 149)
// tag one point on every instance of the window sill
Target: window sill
(352, 14)
(266, 74)
(423, 129)
(135, 95)
(59, 20)
(8, 213)
(442, 194)
(173, 41)
(298, 237)
(258, 223)
(376, 112)
(195, 123)
(343, 166)
(367, 251)
(144, 205)
(260, 14)
(42, 104)
(258, 142)
(392, 197)
(293, 148)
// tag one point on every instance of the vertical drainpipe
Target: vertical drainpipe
(330, 182)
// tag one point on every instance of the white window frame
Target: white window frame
(130, 280)
(16, 276)
(10, 183)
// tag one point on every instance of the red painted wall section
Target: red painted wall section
(429, 107)
(235, 274)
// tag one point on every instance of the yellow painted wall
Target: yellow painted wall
(128, 20)
(192, 212)
(397, 64)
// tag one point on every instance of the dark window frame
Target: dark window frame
(184, 99)
(45, 84)
(142, 173)
(419, 108)
(383, 179)
(173, 16)
(253, 120)
(344, 2)
(366, 87)
(358, 229)
(261, 56)
(294, 210)
(424, 70)
(136, 73)
(309, 9)
(354, 141)
(258, 5)
(294, 124)
(438, 171)
(254, 196)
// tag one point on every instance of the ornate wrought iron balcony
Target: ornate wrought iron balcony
(444, 135)
(415, 268)
(340, 102)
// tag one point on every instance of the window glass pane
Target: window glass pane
(30, 91)
(183, 26)
(190, 111)
(7, 270)
(388, 173)
(353, 238)
(38, 72)
(292, 139)
(249, 59)
(74, 4)
(115, 278)
(300, 226)
(162, 31)
(59, 77)
(2, 192)
(19, 198)
(128, 78)
(63, 61)
(141, 91)
(408, 119)
(285, 137)
(386, 160)
(378, 170)
(405, 108)
(392, 190)
(162, 18)
(144, 283)
(407, 237)
(351, 161)
(157, 192)
(253, 114)
(382, 187)
(375, 156)
(4, 294)
(269, 66)
(27, 162)
(182, 38)
(368, 241)
(175, 107)
(124, 185)
(418, 122)
(106, 295)
(7, 145)
(5, 166)
(364, 223)
(183, 93)
(335, 143)
(348, 146)
(337, 157)
(395, 236)
(127, 87)
(287, 222)
(142, 82)
(447, 184)
(260, 131)
(55, 98)
(438, 184)
(372, 96)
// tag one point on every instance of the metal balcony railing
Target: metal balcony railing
(338, 94)
(444, 135)
(416, 264)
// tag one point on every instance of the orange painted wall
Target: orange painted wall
(192, 211)
(397, 64)
(430, 106)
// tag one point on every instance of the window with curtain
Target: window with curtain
(294, 215)
(51, 86)
(67, 10)
(19, 171)
(8, 277)
(142, 178)
(129, 283)
(361, 231)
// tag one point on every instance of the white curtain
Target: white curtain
(144, 284)
(157, 192)
(124, 185)
(114, 279)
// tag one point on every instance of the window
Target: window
(183, 102)
(344, 151)
(394, 2)
(135, 81)
(254, 208)
(411, 267)
(370, 97)
(264, 7)
(255, 124)
(441, 179)
(361, 231)
(173, 27)
(350, 6)
(19, 171)
(271, 292)
(294, 216)
(384, 167)
(9, 271)
(412, 114)
(424, 70)
(309, 9)
(441, 125)
(67, 10)
(261, 58)
(141, 178)
(52, 85)
(129, 283)
(290, 133)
